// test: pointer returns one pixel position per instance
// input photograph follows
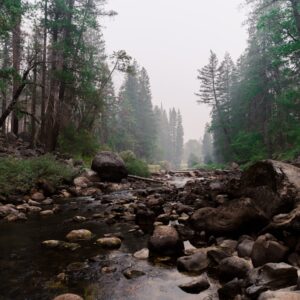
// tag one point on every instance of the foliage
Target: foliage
(134, 165)
(78, 142)
(20, 175)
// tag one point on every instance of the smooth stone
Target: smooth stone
(131, 273)
(79, 235)
(195, 263)
(79, 219)
(142, 254)
(68, 297)
(109, 242)
(46, 213)
(38, 196)
(196, 286)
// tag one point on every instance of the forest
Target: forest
(119, 180)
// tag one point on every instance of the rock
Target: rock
(34, 209)
(131, 274)
(280, 295)
(79, 219)
(233, 267)
(245, 247)
(196, 286)
(235, 217)
(8, 209)
(196, 263)
(145, 218)
(165, 241)
(109, 242)
(33, 203)
(230, 289)
(272, 276)
(266, 249)
(61, 245)
(108, 270)
(79, 235)
(142, 254)
(46, 213)
(217, 255)
(38, 196)
(68, 297)
(48, 201)
(16, 217)
(77, 266)
(81, 182)
(273, 180)
(109, 166)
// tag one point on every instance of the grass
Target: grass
(20, 175)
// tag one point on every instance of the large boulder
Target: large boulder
(109, 166)
(235, 218)
(267, 249)
(165, 241)
(272, 276)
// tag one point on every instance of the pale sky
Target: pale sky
(172, 39)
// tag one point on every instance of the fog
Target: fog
(172, 39)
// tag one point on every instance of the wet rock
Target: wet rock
(228, 246)
(61, 245)
(38, 196)
(108, 270)
(266, 249)
(131, 273)
(272, 276)
(46, 213)
(79, 235)
(68, 297)
(51, 244)
(165, 241)
(48, 201)
(217, 255)
(163, 218)
(109, 242)
(109, 166)
(77, 266)
(236, 217)
(23, 207)
(145, 218)
(230, 289)
(245, 247)
(196, 263)
(16, 217)
(142, 254)
(233, 267)
(280, 295)
(196, 286)
(8, 209)
(79, 219)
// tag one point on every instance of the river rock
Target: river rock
(38, 196)
(46, 213)
(196, 286)
(16, 217)
(145, 218)
(109, 166)
(230, 289)
(195, 263)
(81, 182)
(131, 273)
(79, 235)
(142, 254)
(68, 297)
(165, 241)
(79, 219)
(272, 276)
(280, 295)
(7, 209)
(61, 245)
(266, 249)
(109, 242)
(236, 217)
(245, 247)
(33, 203)
(233, 267)
(34, 209)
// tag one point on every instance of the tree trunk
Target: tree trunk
(16, 45)
(33, 104)
(296, 13)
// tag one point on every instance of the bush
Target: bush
(20, 175)
(134, 165)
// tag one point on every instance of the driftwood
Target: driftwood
(145, 179)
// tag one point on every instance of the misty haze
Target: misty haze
(149, 149)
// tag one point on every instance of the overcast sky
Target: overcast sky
(172, 39)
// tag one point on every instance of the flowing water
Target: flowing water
(29, 272)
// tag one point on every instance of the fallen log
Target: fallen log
(145, 179)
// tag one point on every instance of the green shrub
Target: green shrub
(20, 175)
(134, 165)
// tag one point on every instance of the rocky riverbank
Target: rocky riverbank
(222, 235)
